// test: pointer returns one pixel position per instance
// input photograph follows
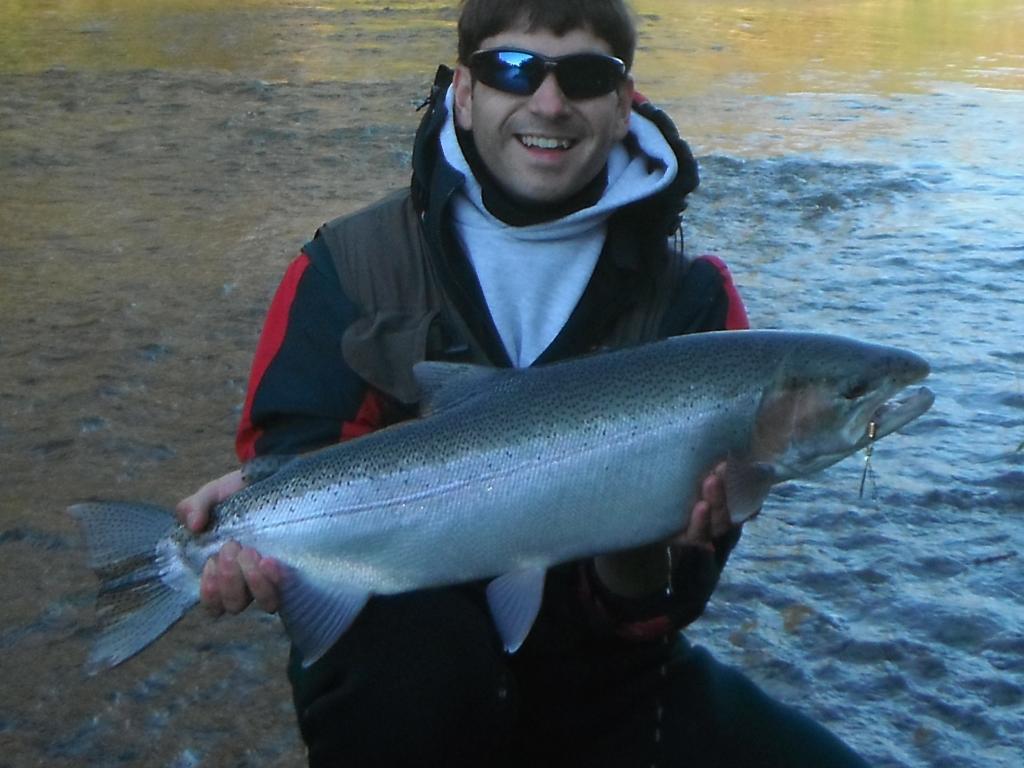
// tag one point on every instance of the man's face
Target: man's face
(542, 147)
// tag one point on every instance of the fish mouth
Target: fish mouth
(896, 413)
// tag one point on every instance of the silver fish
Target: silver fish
(509, 472)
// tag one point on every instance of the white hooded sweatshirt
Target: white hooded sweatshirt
(533, 276)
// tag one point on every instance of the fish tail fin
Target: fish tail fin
(144, 587)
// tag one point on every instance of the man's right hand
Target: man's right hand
(237, 575)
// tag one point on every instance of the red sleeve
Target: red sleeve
(736, 317)
(271, 340)
(302, 395)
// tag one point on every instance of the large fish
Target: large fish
(509, 472)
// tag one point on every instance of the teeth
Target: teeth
(545, 142)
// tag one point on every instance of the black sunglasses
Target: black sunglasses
(579, 75)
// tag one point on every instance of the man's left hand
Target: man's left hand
(710, 517)
(644, 570)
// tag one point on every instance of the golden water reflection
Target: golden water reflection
(764, 46)
(865, 46)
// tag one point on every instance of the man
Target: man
(544, 197)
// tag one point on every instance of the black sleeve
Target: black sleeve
(301, 392)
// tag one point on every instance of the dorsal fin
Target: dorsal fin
(446, 385)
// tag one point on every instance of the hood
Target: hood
(434, 180)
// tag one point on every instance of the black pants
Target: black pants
(420, 680)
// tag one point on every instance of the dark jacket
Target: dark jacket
(381, 289)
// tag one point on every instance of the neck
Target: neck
(519, 212)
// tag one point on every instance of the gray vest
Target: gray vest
(386, 269)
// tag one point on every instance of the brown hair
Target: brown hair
(609, 20)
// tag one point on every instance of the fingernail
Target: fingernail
(197, 519)
(246, 560)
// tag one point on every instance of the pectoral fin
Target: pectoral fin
(514, 599)
(315, 615)
(746, 487)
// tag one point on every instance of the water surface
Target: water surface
(161, 162)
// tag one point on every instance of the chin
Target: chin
(543, 193)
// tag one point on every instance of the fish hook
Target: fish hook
(868, 450)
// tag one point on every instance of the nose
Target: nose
(549, 99)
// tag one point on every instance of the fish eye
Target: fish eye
(857, 391)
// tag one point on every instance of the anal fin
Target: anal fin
(514, 599)
(315, 615)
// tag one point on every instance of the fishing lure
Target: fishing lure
(868, 450)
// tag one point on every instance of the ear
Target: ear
(625, 107)
(463, 85)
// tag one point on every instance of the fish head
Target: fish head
(831, 397)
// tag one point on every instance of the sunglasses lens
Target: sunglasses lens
(515, 72)
(580, 76)
(586, 76)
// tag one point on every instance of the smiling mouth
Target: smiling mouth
(533, 141)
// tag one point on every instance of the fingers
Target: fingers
(713, 494)
(698, 528)
(709, 517)
(712, 490)
(234, 592)
(262, 575)
(222, 587)
(194, 511)
(235, 577)
(209, 588)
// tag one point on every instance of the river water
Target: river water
(862, 174)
